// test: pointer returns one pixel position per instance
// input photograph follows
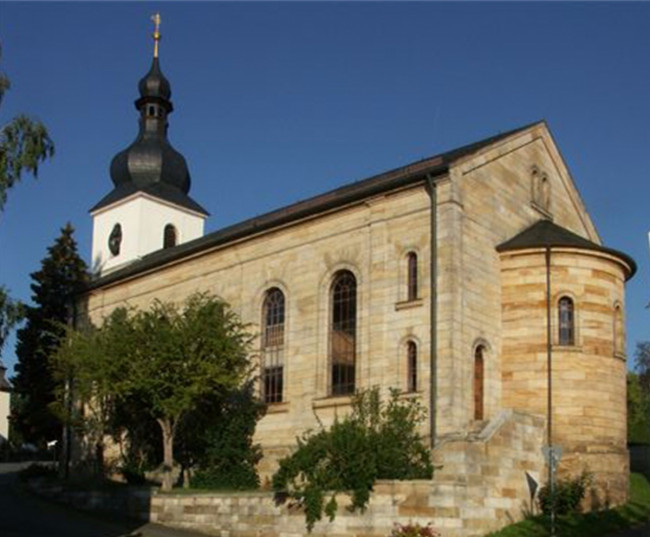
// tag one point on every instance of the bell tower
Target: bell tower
(149, 207)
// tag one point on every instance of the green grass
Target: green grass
(634, 513)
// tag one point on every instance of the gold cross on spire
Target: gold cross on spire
(156, 33)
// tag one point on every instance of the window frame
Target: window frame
(411, 366)
(566, 327)
(412, 277)
(342, 333)
(478, 381)
(272, 346)
(170, 228)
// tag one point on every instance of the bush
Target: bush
(567, 495)
(414, 530)
(376, 441)
(224, 453)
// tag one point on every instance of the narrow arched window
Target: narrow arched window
(545, 193)
(343, 333)
(566, 321)
(169, 236)
(411, 367)
(412, 276)
(619, 338)
(479, 358)
(273, 346)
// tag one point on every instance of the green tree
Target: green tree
(11, 312)
(24, 145)
(168, 358)
(642, 364)
(217, 441)
(638, 410)
(638, 396)
(62, 275)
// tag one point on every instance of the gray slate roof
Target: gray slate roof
(435, 166)
(545, 233)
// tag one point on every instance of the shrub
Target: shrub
(567, 495)
(376, 441)
(223, 452)
(414, 530)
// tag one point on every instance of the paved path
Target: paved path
(23, 515)
(639, 532)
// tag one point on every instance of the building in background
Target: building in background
(5, 404)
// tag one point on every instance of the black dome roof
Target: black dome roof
(150, 164)
(154, 83)
(150, 160)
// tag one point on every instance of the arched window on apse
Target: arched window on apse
(619, 331)
(566, 321)
(479, 382)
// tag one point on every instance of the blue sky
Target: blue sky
(275, 102)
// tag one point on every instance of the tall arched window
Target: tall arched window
(619, 336)
(273, 346)
(411, 367)
(479, 358)
(343, 333)
(169, 236)
(566, 321)
(412, 276)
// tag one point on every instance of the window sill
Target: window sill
(567, 348)
(407, 304)
(544, 212)
(410, 395)
(277, 408)
(332, 401)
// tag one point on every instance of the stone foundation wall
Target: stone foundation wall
(479, 486)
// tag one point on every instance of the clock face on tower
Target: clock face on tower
(115, 239)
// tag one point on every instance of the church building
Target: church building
(474, 281)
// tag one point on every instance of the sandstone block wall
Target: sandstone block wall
(371, 239)
(588, 378)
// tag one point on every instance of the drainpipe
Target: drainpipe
(549, 354)
(552, 461)
(433, 338)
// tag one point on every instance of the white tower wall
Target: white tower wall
(142, 219)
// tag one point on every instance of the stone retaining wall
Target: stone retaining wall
(479, 486)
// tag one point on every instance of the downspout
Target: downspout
(549, 354)
(433, 337)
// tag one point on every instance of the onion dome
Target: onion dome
(150, 164)
(154, 83)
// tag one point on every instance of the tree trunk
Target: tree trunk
(167, 428)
